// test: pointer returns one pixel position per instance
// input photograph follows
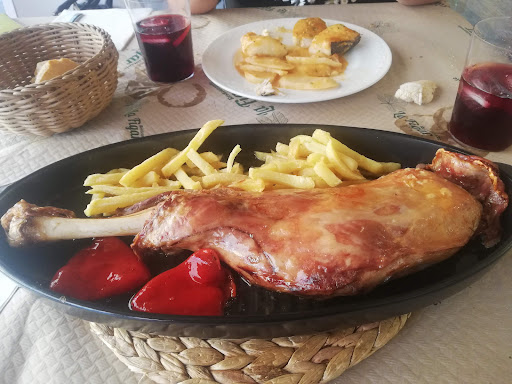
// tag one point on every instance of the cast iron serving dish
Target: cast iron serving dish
(255, 312)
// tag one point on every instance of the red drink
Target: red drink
(166, 42)
(482, 114)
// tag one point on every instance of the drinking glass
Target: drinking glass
(482, 114)
(163, 30)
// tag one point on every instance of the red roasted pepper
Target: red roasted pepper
(106, 268)
(199, 286)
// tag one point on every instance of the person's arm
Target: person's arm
(417, 2)
(202, 6)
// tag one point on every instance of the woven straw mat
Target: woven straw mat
(305, 359)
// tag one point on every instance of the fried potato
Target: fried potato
(306, 82)
(216, 179)
(282, 149)
(316, 161)
(117, 191)
(313, 60)
(149, 179)
(318, 70)
(322, 170)
(154, 162)
(252, 185)
(340, 167)
(256, 77)
(269, 62)
(200, 163)
(109, 205)
(186, 180)
(294, 50)
(259, 68)
(177, 161)
(231, 158)
(292, 181)
(258, 45)
(101, 179)
(365, 163)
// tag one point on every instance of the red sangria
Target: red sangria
(166, 43)
(482, 114)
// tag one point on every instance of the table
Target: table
(463, 339)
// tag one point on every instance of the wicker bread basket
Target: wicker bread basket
(67, 101)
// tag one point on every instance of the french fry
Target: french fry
(231, 158)
(288, 166)
(119, 170)
(211, 157)
(154, 162)
(200, 163)
(316, 161)
(218, 165)
(108, 205)
(186, 180)
(116, 191)
(314, 147)
(237, 168)
(293, 181)
(340, 167)
(282, 149)
(210, 181)
(103, 178)
(176, 162)
(364, 162)
(326, 174)
(349, 162)
(310, 172)
(268, 157)
(168, 183)
(147, 180)
(252, 185)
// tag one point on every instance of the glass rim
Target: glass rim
(478, 31)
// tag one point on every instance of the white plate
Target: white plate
(368, 62)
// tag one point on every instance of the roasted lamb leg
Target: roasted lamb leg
(333, 241)
(322, 242)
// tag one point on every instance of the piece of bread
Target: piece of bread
(46, 70)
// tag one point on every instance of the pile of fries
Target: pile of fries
(316, 161)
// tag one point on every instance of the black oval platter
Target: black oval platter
(256, 312)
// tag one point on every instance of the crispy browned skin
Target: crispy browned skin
(480, 177)
(333, 241)
(335, 39)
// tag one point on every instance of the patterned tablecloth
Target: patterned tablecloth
(464, 339)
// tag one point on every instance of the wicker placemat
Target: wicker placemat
(305, 359)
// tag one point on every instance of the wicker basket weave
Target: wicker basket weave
(305, 359)
(67, 101)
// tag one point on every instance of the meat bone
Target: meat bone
(27, 223)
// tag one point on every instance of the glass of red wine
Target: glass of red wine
(482, 114)
(163, 30)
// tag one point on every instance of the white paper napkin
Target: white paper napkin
(116, 22)
(7, 289)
